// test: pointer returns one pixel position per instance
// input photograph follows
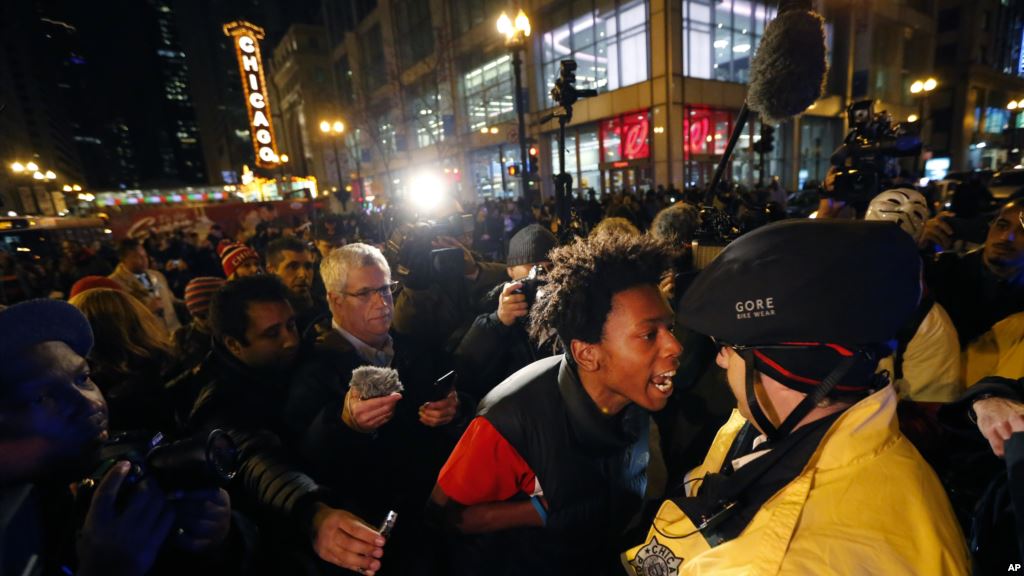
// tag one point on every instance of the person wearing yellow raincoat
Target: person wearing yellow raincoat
(811, 474)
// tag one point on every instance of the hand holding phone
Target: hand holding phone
(389, 524)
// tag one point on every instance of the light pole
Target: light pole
(920, 89)
(334, 130)
(516, 34)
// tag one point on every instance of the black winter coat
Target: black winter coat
(491, 351)
(248, 404)
(393, 468)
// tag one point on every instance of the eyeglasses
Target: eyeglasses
(385, 291)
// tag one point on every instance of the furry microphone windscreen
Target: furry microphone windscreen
(787, 73)
(374, 382)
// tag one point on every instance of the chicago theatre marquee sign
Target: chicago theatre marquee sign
(246, 37)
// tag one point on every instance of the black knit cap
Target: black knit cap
(530, 245)
(33, 322)
(822, 281)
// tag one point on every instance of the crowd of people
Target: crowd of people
(827, 395)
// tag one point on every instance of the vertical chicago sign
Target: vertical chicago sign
(246, 37)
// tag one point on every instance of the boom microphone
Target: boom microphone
(787, 74)
(374, 382)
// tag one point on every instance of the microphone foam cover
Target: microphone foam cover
(373, 382)
(787, 73)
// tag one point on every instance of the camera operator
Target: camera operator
(553, 470)
(244, 386)
(866, 162)
(985, 285)
(399, 440)
(440, 290)
(53, 420)
(497, 344)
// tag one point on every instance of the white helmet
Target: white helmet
(904, 206)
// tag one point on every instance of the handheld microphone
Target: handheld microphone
(374, 382)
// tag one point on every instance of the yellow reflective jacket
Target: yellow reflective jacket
(865, 503)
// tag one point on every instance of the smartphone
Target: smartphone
(443, 386)
(389, 524)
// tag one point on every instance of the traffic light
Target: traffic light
(513, 170)
(534, 160)
(565, 92)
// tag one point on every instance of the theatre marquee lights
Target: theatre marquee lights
(246, 37)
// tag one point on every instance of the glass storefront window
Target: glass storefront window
(590, 160)
(608, 40)
(612, 143)
(706, 134)
(489, 172)
(720, 37)
(570, 154)
(819, 137)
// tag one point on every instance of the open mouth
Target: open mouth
(663, 381)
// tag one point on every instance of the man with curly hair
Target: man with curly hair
(549, 474)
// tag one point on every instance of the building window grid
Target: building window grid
(488, 94)
(609, 44)
(720, 37)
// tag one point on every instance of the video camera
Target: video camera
(411, 253)
(195, 463)
(862, 160)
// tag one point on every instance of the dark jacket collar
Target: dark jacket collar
(595, 430)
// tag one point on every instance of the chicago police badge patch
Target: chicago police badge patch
(656, 559)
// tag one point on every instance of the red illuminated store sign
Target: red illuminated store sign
(625, 138)
(706, 130)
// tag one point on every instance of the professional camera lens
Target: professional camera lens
(222, 455)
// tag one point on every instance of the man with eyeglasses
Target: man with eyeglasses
(810, 475)
(985, 285)
(377, 454)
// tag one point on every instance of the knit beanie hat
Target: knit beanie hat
(530, 245)
(43, 320)
(234, 255)
(89, 282)
(198, 293)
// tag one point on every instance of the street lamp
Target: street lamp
(516, 32)
(334, 129)
(920, 90)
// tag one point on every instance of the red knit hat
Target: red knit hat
(234, 255)
(198, 293)
(89, 282)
